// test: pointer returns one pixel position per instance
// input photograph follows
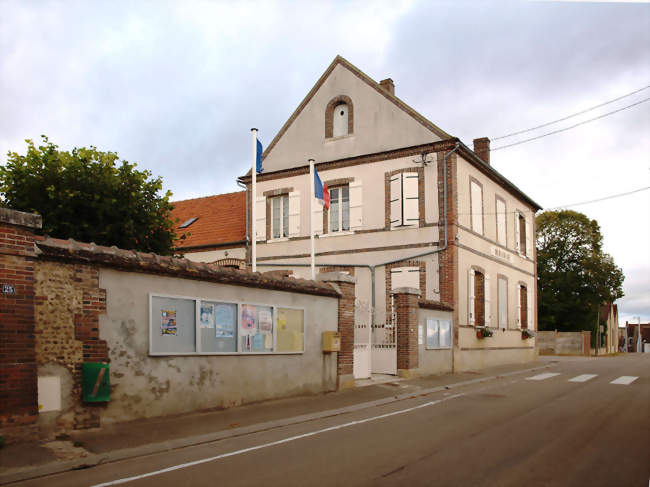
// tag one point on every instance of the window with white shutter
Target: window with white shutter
(471, 303)
(523, 241)
(529, 316)
(487, 320)
(476, 195)
(356, 206)
(404, 200)
(519, 305)
(517, 232)
(280, 216)
(294, 214)
(260, 218)
(501, 221)
(502, 290)
(317, 217)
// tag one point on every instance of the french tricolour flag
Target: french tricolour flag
(320, 190)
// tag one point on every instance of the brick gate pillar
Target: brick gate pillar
(406, 304)
(346, 284)
(18, 373)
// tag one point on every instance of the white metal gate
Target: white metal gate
(375, 347)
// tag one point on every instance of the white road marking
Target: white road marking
(545, 376)
(273, 443)
(583, 378)
(624, 380)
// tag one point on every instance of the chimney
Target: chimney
(388, 85)
(482, 149)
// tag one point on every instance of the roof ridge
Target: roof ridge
(210, 196)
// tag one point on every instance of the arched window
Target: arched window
(339, 117)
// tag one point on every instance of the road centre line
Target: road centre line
(583, 378)
(544, 376)
(624, 380)
(274, 443)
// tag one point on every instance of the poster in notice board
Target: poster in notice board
(256, 328)
(291, 330)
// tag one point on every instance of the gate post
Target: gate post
(346, 284)
(406, 305)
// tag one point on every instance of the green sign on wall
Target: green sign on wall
(95, 383)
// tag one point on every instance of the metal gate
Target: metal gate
(375, 347)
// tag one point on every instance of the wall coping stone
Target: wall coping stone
(131, 260)
(437, 305)
(406, 290)
(21, 218)
(336, 277)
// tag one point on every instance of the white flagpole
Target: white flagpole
(254, 201)
(312, 196)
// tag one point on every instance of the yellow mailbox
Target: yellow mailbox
(331, 341)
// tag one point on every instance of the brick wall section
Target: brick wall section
(449, 258)
(406, 305)
(18, 373)
(68, 304)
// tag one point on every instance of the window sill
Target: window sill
(336, 234)
(281, 239)
(404, 227)
(340, 137)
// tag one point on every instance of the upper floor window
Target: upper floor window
(404, 199)
(339, 212)
(476, 206)
(522, 239)
(339, 117)
(340, 120)
(501, 221)
(280, 216)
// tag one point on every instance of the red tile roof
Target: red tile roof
(221, 220)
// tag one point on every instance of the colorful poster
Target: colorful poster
(248, 320)
(224, 321)
(168, 322)
(268, 341)
(265, 320)
(207, 315)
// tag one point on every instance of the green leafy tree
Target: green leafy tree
(575, 276)
(90, 196)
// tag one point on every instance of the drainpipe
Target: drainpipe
(372, 267)
(243, 186)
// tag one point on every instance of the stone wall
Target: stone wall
(563, 343)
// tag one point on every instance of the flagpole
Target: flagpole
(254, 200)
(312, 196)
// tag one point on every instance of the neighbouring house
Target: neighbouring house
(412, 208)
(638, 335)
(212, 229)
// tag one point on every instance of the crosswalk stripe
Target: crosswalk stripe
(624, 380)
(547, 375)
(582, 378)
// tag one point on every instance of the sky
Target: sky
(176, 87)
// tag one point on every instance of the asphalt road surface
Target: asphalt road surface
(584, 422)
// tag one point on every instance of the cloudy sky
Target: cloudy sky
(176, 87)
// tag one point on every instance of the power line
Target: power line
(572, 126)
(570, 116)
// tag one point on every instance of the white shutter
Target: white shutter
(501, 223)
(294, 214)
(518, 305)
(529, 250)
(517, 237)
(396, 201)
(260, 218)
(476, 195)
(356, 208)
(471, 297)
(486, 291)
(529, 302)
(502, 300)
(317, 217)
(411, 199)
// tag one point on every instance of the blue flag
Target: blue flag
(258, 162)
(321, 191)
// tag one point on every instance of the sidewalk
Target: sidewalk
(126, 440)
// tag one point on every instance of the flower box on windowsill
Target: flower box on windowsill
(482, 333)
(526, 334)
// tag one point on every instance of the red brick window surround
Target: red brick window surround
(330, 113)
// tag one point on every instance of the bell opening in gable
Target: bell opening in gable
(340, 121)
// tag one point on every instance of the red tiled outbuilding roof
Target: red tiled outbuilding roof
(221, 219)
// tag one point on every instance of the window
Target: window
(501, 221)
(340, 120)
(503, 302)
(280, 216)
(476, 206)
(438, 334)
(522, 309)
(522, 235)
(339, 212)
(404, 199)
(188, 222)
(479, 298)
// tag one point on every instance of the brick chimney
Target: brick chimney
(388, 85)
(482, 149)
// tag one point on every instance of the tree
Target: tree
(575, 276)
(90, 196)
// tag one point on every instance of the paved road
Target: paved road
(568, 425)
